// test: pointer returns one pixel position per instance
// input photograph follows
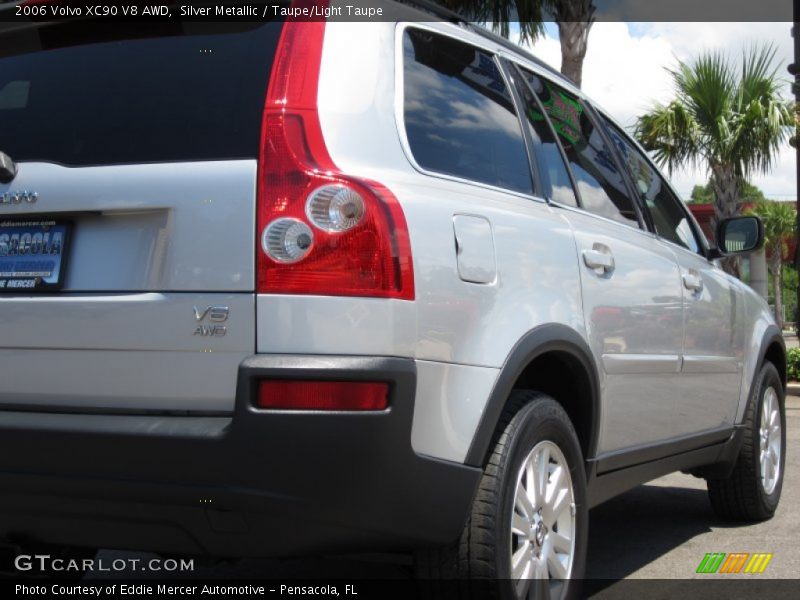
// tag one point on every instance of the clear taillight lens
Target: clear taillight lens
(287, 240)
(335, 208)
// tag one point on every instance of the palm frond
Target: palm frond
(671, 133)
(738, 118)
(764, 117)
(529, 14)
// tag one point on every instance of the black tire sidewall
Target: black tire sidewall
(542, 420)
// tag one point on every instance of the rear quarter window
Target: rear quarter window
(459, 115)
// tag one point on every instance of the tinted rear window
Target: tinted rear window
(460, 119)
(93, 96)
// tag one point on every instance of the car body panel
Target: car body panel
(713, 348)
(123, 352)
(153, 247)
(634, 319)
(149, 227)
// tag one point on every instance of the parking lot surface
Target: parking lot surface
(661, 530)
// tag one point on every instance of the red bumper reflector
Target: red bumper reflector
(322, 395)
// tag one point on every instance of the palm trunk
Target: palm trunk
(726, 186)
(777, 287)
(575, 18)
(573, 37)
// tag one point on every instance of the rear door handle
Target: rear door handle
(599, 258)
(693, 281)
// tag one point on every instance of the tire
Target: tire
(533, 426)
(753, 489)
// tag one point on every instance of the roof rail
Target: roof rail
(453, 17)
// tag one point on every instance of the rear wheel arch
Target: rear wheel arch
(553, 359)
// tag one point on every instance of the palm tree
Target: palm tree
(731, 119)
(574, 19)
(779, 225)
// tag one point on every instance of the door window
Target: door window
(669, 216)
(555, 177)
(601, 187)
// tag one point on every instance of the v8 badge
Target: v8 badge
(211, 315)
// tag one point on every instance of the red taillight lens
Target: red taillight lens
(323, 395)
(339, 255)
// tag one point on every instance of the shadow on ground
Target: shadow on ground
(639, 527)
(626, 534)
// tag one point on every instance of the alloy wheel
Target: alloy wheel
(543, 524)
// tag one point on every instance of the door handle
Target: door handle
(692, 281)
(599, 258)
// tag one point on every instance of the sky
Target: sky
(625, 72)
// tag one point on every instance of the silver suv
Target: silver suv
(305, 286)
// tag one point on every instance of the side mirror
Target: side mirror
(739, 235)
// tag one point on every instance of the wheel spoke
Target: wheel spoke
(552, 510)
(557, 570)
(521, 562)
(530, 485)
(559, 543)
(519, 524)
(543, 468)
(555, 484)
(773, 456)
(542, 587)
(523, 503)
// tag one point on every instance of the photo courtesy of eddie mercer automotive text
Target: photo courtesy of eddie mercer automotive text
(300, 286)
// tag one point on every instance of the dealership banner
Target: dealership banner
(371, 10)
(379, 589)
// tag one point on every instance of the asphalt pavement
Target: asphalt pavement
(661, 530)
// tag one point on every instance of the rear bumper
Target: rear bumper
(255, 483)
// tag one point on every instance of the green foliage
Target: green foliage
(779, 224)
(751, 193)
(722, 116)
(704, 194)
(793, 363)
(789, 283)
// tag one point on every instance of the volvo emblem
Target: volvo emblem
(18, 197)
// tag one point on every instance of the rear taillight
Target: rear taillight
(320, 231)
(322, 395)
